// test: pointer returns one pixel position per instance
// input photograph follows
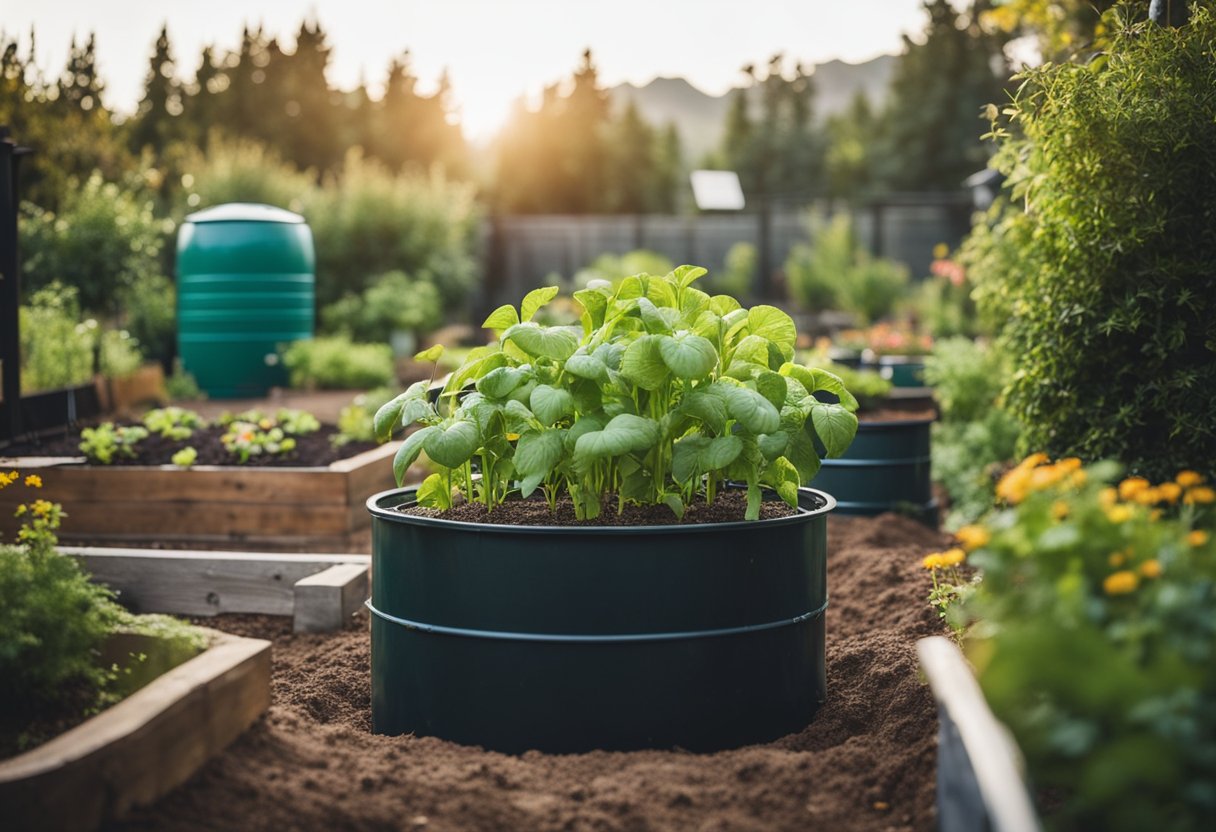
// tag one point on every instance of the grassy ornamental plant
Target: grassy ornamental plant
(1092, 630)
(662, 395)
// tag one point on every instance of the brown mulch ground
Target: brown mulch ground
(866, 763)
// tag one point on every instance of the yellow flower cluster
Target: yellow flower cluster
(1034, 474)
(1198, 538)
(8, 479)
(1123, 582)
(40, 508)
(973, 537)
(33, 481)
(942, 560)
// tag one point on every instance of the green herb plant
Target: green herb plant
(661, 396)
(176, 423)
(102, 443)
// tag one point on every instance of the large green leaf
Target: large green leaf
(536, 455)
(452, 445)
(656, 322)
(555, 342)
(771, 323)
(813, 379)
(504, 317)
(434, 492)
(835, 426)
(643, 363)
(782, 477)
(689, 356)
(773, 445)
(551, 403)
(772, 386)
(391, 413)
(430, 354)
(594, 304)
(624, 434)
(695, 455)
(409, 450)
(749, 408)
(685, 275)
(709, 410)
(723, 304)
(692, 303)
(499, 383)
(801, 452)
(474, 369)
(661, 293)
(586, 424)
(586, 366)
(534, 300)
(630, 288)
(752, 349)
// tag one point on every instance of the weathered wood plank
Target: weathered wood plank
(143, 747)
(204, 583)
(324, 602)
(186, 518)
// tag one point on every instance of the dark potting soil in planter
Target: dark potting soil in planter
(312, 450)
(867, 762)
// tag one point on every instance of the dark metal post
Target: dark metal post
(10, 285)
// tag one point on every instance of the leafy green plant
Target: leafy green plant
(149, 306)
(1093, 640)
(102, 443)
(867, 386)
(182, 386)
(738, 269)
(118, 353)
(296, 422)
(391, 303)
(1100, 262)
(175, 423)
(53, 621)
(248, 439)
(56, 345)
(835, 272)
(660, 396)
(356, 421)
(336, 363)
(185, 458)
(975, 435)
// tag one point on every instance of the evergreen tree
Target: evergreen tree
(303, 118)
(848, 160)
(633, 145)
(156, 121)
(929, 138)
(669, 173)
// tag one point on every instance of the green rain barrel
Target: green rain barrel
(245, 285)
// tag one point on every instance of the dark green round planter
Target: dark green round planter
(569, 639)
(887, 468)
(902, 370)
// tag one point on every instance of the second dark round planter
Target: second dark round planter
(569, 639)
(887, 468)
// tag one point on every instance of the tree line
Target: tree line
(574, 153)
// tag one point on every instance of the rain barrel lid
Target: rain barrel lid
(245, 212)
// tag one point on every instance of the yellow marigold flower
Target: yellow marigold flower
(1033, 461)
(1132, 486)
(1188, 479)
(1107, 497)
(953, 557)
(1060, 509)
(1045, 477)
(41, 507)
(33, 481)
(1078, 478)
(1198, 538)
(1119, 514)
(1199, 494)
(1116, 559)
(973, 537)
(1012, 487)
(1169, 492)
(1120, 583)
(932, 561)
(1148, 497)
(1151, 568)
(1069, 464)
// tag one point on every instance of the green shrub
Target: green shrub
(356, 421)
(52, 624)
(1106, 280)
(835, 272)
(150, 307)
(118, 354)
(336, 363)
(56, 345)
(735, 276)
(104, 242)
(368, 221)
(392, 302)
(975, 436)
(241, 171)
(182, 386)
(1094, 642)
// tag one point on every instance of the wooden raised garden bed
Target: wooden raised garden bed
(138, 750)
(210, 506)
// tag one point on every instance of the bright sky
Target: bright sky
(494, 50)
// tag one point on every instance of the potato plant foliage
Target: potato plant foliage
(662, 395)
